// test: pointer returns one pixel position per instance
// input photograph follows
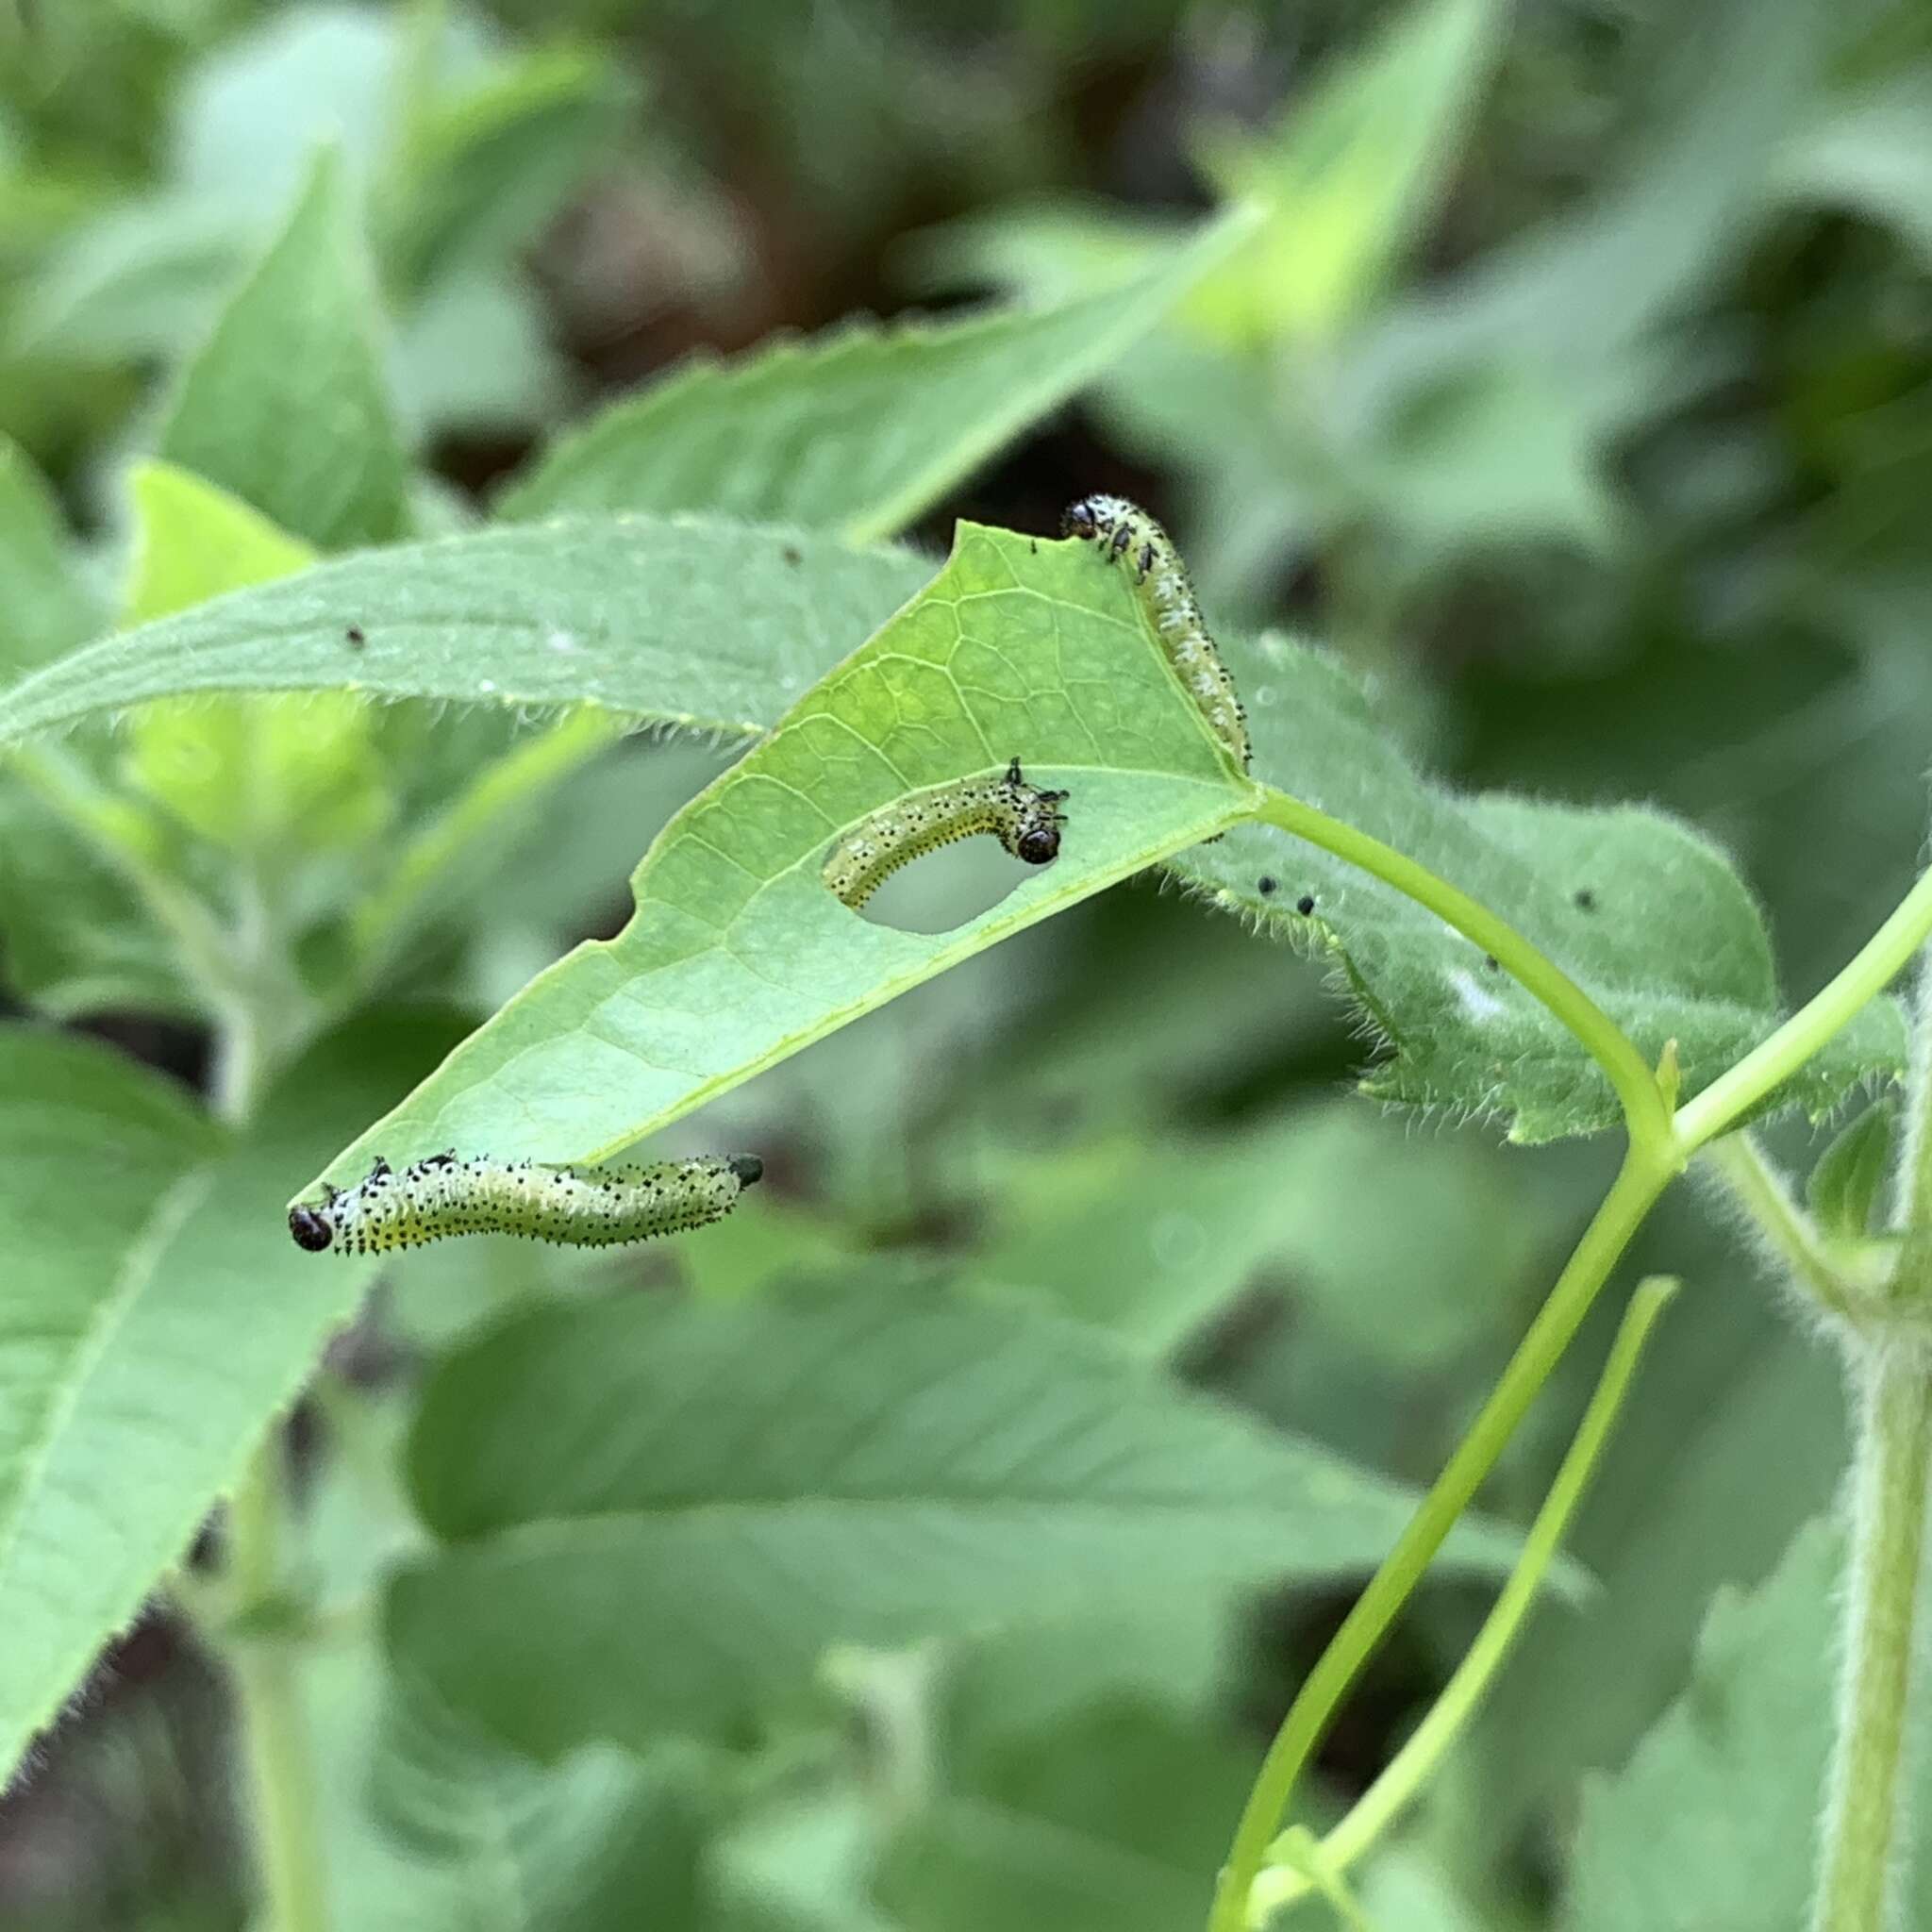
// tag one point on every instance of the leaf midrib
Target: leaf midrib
(177, 1201)
(595, 1524)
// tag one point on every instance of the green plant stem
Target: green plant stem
(1911, 1276)
(1871, 969)
(265, 1659)
(1316, 1870)
(1660, 1146)
(286, 1804)
(1644, 1112)
(1758, 1188)
(1858, 1866)
(1643, 1176)
(1406, 1774)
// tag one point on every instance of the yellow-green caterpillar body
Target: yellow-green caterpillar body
(1021, 816)
(1126, 533)
(429, 1199)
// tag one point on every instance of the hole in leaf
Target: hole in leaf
(945, 888)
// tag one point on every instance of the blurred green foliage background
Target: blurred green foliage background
(1588, 417)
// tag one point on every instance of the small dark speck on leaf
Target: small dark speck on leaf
(792, 554)
(1586, 899)
(1305, 904)
(1495, 964)
(1264, 885)
(356, 637)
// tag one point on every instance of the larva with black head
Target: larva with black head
(433, 1198)
(1022, 817)
(1127, 534)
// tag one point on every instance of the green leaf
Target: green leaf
(739, 1487)
(738, 955)
(286, 403)
(157, 1317)
(1568, 294)
(703, 623)
(1713, 1823)
(192, 541)
(862, 429)
(48, 606)
(76, 1226)
(74, 942)
(444, 1832)
(1646, 915)
(251, 773)
(1147, 1241)
(1348, 176)
(802, 1866)
(1036, 1676)
(487, 169)
(1117, 1822)
(143, 279)
(498, 1842)
(1845, 1186)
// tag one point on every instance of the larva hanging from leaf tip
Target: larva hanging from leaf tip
(437, 1196)
(1022, 817)
(1127, 534)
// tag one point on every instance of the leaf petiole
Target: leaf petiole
(1642, 1177)
(1729, 1098)
(1449, 1715)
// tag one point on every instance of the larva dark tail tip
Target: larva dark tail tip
(311, 1229)
(749, 1169)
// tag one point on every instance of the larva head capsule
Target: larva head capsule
(1096, 517)
(1034, 834)
(312, 1228)
(1039, 845)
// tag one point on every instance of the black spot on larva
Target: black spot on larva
(355, 636)
(311, 1229)
(1585, 899)
(1305, 904)
(792, 554)
(1266, 886)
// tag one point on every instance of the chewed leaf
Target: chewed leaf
(1644, 912)
(738, 953)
